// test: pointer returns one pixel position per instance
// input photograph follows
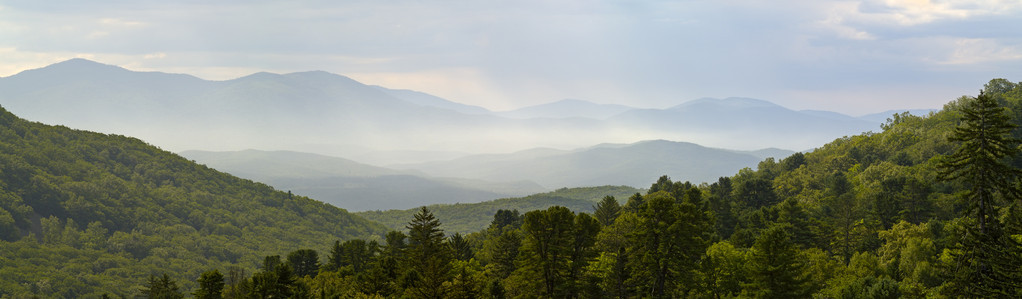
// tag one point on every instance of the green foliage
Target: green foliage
(305, 262)
(161, 288)
(775, 269)
(607, 210)
(982, 159)
(211, 285)
(82, 214)
(428, 257)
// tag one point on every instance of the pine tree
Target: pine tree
(775, 267)
(428, 257)
(988, 263)
(546, 250)
(161, 288)
(981, 161)
(607, 210)
(304, 262)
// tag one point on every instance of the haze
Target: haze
(854, 57)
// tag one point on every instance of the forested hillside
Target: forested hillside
(927, 208)
(472, 217)
(84, 213)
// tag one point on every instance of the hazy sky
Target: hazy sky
(854, 57)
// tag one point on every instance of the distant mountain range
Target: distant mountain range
(633, 165)
(359, 187)
(331, 114)
(352, 185)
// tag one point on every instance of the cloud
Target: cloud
(516, 53)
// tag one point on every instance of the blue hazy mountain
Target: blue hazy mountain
(330, 114)
(351, 185)
(633, 165)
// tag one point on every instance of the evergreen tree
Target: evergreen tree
(211, 285)
(428, 257)
(582, 250)
(981, 161)
(460, 247)
(161, 288)
(607, 210)
(503, 218)
(775, 267)
(304, 262)
(335, 258)
(989, 259)
(503, 251)
(547, 249)
(656, 248)
(276, 280)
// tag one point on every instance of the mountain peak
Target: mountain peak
(75, 67)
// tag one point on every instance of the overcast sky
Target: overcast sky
(854, 57)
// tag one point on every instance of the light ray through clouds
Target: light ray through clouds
(854, 57)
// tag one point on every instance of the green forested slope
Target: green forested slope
(83, 213)
(471, 217)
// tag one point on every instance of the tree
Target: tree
(775, 267)
(723, 270)
(276, 280)
(981, 162)
(503, 218)
(305, 262)
(460, 247)
(428, 257)
(547, 248)
(583, 250)
(211, 285)
(607, 210)
(989, 260)
(501, 251)
(161, 288)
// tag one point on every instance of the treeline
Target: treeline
(928, 208)
(472, 217)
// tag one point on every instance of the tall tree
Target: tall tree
(775, 267)
(981, 162)
(428, 256)
(460, 247)
(276, 280)
(304, 262)
(546, 250)
(607, 210)
(211, 285)
(989, 262)
(503, 218)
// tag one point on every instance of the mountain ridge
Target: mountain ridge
(322, 112)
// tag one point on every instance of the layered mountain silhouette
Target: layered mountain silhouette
(352, 185)
(325, 113)
(359, 187)
(607, 164)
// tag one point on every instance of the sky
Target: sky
(854, 57)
